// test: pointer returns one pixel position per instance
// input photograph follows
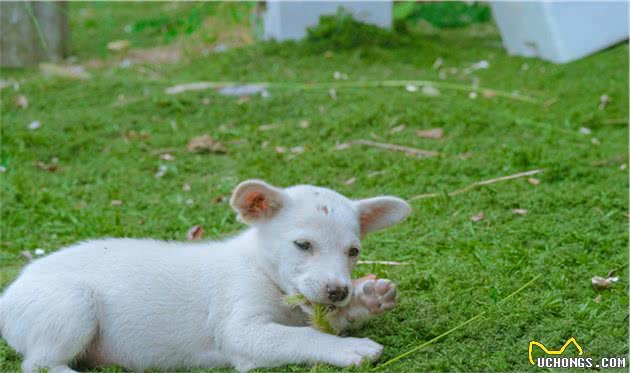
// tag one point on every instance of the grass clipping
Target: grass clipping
(319, 318)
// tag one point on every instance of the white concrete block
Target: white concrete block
(560, 31)
(286, 20)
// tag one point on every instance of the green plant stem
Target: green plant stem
(423, 345)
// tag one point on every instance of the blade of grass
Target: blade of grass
(423, 345)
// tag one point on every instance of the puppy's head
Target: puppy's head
(310, 237)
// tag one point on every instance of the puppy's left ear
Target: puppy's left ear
(256, 201)
(381, 212)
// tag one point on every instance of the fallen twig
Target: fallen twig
(421, 153)
(478, 184)
(616, 121)
(606, 162)
(349, 84)
(423, 345)
(384, 262)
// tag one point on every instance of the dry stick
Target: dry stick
(478, 184)
(358, 84)
(405, 354)
(398, 148)
(383, 262)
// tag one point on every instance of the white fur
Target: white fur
(142, 303)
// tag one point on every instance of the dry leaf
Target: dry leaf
(218, 199)
(520, 211)
(205, 143)
(27, 254)
(34, 125)
(328, 54)
(375, 173)
(433, 133)
(133, 135)
(157, 55)
(167, 157)
(533, 181)
(488, 93)
(264, 144)
(205, 101)
(550, 102)
(350, 181)
(116, 202)
(189, 202)
(603, 101)
(10, 83)
(585, 131)
(53, 166)
(478, 217)
(472, 95)
(118, 45)
(398, 129)
(438, 63)
(466, 155)
(342, 146)
(340, 76)
(280, 149)
(603, 283)
(304, 124)
(197, 86)
(69, 72)
(430, 91)
(598, 299)
(333, 93)
(186, 187)
(483, 64)
(162, 169)
(194, 233)
(411, 88)
(266, 127)
(20, 101)
(595, 141)
(297, 149)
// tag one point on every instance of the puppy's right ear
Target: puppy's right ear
(256, 201)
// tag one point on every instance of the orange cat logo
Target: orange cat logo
(553, 352)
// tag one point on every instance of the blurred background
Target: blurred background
(504, 124)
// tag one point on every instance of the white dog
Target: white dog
(151, 304)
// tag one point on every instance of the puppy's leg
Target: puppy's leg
(253, 345)
(52, 323)
(371, 297)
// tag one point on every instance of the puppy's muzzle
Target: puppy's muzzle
(337, 293)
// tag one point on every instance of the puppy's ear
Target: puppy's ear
(256, 201)
(381, 212)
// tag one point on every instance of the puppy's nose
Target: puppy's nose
(337, 293)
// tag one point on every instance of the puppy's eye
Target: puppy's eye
(353, 251)
(303, 245)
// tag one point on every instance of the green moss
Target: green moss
(576, 226)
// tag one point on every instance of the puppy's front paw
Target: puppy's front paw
(377, 296)
(354, 351)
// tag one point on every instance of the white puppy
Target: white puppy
(151, 304)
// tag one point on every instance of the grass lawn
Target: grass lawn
(108, 133)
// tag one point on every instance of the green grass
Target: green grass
(576, 228)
